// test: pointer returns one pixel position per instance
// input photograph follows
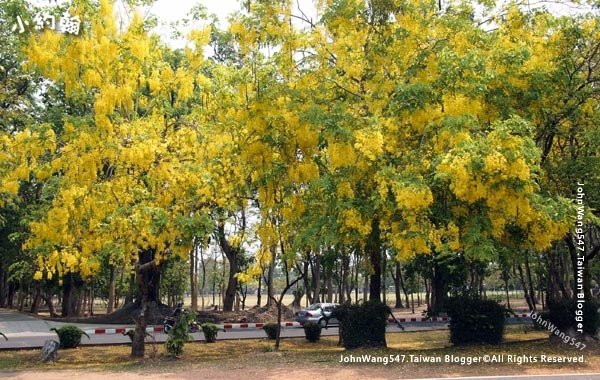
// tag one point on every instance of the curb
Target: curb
(230, 326)
(158, 329)
(443, 319)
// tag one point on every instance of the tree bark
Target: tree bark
(329, 285)
(270, 290)
(439, 291)
(35, 303)
(71, 295)
(525, 291)
(3, 287)
(505, 278)
(402, 285)
(259, 291)
(316, 272)
(530, 279)
(396, 278)
(148, 281)
(193, 278)
(373, 248)
(112, 282)
(232, 255)
(306, 280)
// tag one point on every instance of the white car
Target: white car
(319, 313)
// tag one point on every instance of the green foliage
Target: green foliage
(561, 314)
(271, 330)
(362, 325)
(178, 335)
(210, 331)
(173, 280)
(312, 331)
(475, 321)
(69, 336)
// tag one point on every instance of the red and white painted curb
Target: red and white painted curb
(158, 329)
(442, 319)
(231, 326)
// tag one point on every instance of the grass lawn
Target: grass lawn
(298, 354)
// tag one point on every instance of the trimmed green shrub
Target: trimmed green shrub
(69, 336)
(312, 331)
(362, 325)
(561, 314)
(474, 321)
(210, 331)
(178, 335)
(271, 330)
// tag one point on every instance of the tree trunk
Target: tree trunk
(427, 293)
(193, 278)
(403, 286)
(530, 304)
(345, 269)
(530, 280)
(505, 278)
(316, 272)
(259, 291)
(373, 248)
(132, 289)
(112, 285)
(3, 287)
(306, 280)
(203, 274)
(37, 299)
(329, 285)
(270, 290)
(439, 291)
(384, 275)
(71, 295)
(148, 281)
(232, 255)
(396, 278)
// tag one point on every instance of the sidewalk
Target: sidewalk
(17, 324)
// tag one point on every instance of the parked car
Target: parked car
(319, 313)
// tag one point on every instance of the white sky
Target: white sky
(173, 10)
(169, 11)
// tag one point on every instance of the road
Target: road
(27, 331)
(36, 340)
(571, 376)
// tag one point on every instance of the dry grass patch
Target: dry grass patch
(256, 354)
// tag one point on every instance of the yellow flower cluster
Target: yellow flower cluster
(412, 197)
(351, 220)
(369, 143)
(340, 155)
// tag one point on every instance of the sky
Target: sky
(169, 11)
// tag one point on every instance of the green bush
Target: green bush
(475, 321)
(362, 325)
(271, 330)
(178, 335)
(561, 314)
(312, 331)
(69, 336)
(210, 331)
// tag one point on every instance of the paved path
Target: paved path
(27, 331)
(572, 376)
